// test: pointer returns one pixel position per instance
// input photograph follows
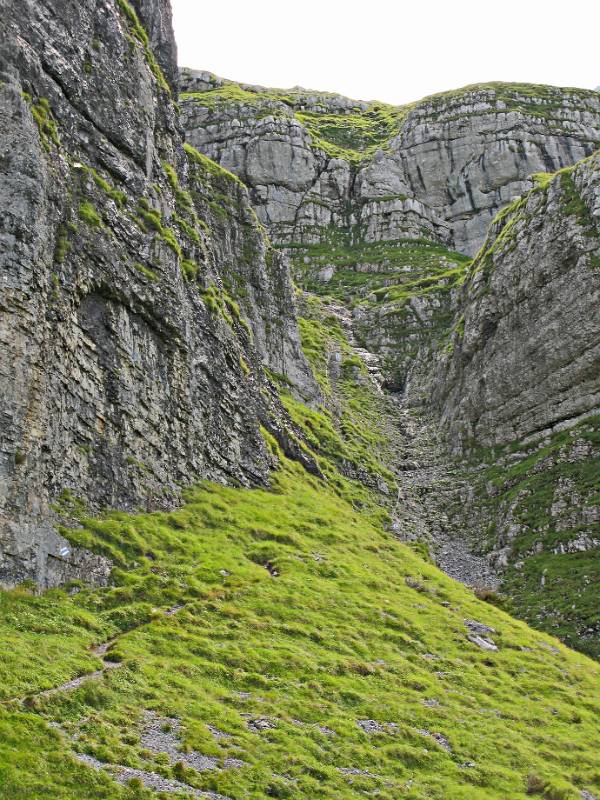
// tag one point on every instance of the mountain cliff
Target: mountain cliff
(141, 297)
(440, 168)
(519, 392)
(220, 494)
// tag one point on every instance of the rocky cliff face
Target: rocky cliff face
(360, 195)
(140, 296)
(519, 391)
(439, 169)
(526, 358)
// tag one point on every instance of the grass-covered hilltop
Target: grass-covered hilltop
(299, 430)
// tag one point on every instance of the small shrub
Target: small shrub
(118, 196)
(150, 217)
(170, 240)
(63, 245)
(534, 784)
(189, 269)
(42, 114)
(146, 271)
(113, 656)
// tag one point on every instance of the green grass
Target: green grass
(210, 167)
(347, 428)
(383, 268)
(151, 219)
(87, 212)
(337, 637)
(147, 272)
(189, 269)
(117, 195)
(574, 205)
(354, 136)
(44, 119)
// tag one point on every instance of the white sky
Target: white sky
(389, 49)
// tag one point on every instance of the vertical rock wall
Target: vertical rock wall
(139, 296)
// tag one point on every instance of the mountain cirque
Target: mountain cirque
(371, 203)
(220, 492)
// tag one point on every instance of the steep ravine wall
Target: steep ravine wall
(139, 297)
(518, 388)
(526, 357)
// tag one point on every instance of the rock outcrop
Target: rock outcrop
(518, 387)
(439, 169)
(140, 296)
(526, 357)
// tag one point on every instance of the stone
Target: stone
(146, 392)
(482, 642)
(454, 162)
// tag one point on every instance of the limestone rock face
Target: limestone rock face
(139, 296)
(470, 154)
(518, 390)
(527, 357)
(444, 167)
(272, 153)
(156, 19)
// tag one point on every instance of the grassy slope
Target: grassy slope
(354, 626)
(391, 270)
(402, 288)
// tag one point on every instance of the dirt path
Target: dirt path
(101, 651)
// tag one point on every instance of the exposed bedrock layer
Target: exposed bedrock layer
(525, 358)
(439, 169)
(518, 389)
(140, 296)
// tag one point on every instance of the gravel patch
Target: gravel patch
(151, 780)
(260, 724)
(371, 726)
(438, 737)
(161, 735)
(355, 771)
